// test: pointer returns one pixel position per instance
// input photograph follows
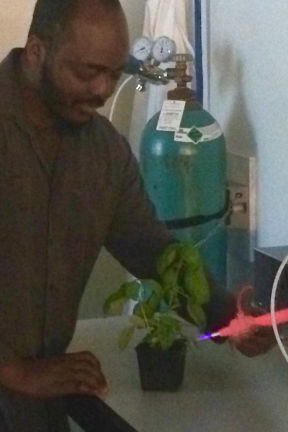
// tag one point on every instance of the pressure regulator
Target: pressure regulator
(162, 50)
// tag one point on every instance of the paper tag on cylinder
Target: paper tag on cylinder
(171, 115)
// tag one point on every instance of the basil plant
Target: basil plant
(179, 291)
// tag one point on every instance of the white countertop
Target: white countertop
(223, 391)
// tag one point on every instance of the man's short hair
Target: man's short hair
(50, 17)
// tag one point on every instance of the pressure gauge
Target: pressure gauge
(142, 48)
(163, 49)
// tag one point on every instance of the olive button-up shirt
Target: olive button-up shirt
(54, 219)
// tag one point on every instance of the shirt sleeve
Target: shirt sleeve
(135, 236)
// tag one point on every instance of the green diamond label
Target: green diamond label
(195, 135)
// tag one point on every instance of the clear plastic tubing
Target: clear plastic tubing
(272, 307)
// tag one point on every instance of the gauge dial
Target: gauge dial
(163, 49)
(142, 48)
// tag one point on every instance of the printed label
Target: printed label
(171, 115)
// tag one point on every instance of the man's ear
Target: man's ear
(35, 52)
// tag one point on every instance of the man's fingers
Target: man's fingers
(58, 376)
(85, 366)
(87, 357)
(259, 342)
(95, 380)
(86, 373)
(243, 298)
(252, 350)
(89, 365)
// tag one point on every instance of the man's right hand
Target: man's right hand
(77, 373)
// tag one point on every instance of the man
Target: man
(68, 185)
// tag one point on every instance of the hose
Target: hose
(116, 97)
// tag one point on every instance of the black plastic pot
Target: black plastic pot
(161, 369)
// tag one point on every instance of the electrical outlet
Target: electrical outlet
(242, 183)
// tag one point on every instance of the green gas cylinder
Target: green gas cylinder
(185, 176)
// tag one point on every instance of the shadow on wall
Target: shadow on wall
(238, 131)
(240, 139)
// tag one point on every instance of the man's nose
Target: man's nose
(103, 85)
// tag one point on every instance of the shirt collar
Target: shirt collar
(10, 101)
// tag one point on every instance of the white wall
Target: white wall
(249, 97)
(15, 16)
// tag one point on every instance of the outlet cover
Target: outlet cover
(242, 183)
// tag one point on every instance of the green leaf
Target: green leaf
(170, 277)
(197, 314)
(167, 257)
(116, 308)
(164, 306)
(196, 285)
(143, 310)
(191, 256)
(164, 331)
(148, 288)
(132, 289)
(188, 280)
(114, 302)
(125, 337)
(154, 303)
(201, 288)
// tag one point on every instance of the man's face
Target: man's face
(83, 72)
